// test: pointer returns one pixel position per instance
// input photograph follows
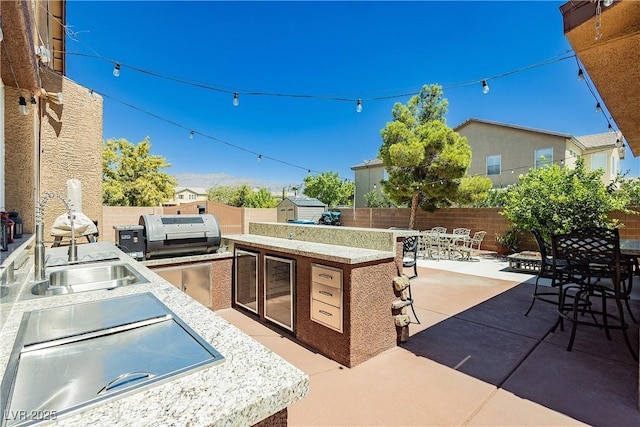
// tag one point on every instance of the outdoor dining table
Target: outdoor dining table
(630, 247)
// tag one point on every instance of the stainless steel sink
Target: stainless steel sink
(73, 357)
(92, 278)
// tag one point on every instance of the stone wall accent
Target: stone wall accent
(19, 140)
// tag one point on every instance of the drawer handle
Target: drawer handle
(326, 313)
(329, 294)
(326, 276)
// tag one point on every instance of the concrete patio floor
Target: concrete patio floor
(474, 360)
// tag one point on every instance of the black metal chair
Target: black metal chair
(410, 254)
(549, 295)
(594, 269)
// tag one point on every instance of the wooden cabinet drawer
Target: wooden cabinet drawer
(326, 315)
(327, 294)
(327, 276)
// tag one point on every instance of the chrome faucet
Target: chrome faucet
(39, 263)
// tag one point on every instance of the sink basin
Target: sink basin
(83, 279)
(73, 357)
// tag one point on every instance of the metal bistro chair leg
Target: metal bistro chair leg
(624, 328)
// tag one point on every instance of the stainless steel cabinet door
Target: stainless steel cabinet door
(196, 283)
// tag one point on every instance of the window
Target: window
(494, 165)
(599, 161)
(544, 158)
(192, 196)
(180, 196)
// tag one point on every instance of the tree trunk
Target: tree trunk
(414, 211)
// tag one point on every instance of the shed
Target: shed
(300, 208)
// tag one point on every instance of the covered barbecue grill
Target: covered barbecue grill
(172, 235)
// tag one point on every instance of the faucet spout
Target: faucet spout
(39, 250)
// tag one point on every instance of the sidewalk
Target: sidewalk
(474, 360)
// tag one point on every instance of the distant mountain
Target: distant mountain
(209, 180)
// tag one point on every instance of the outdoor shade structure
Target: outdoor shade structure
(607, 46)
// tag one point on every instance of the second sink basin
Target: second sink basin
(83, 279)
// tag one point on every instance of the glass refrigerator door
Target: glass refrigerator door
(278, 286)
(246, 280)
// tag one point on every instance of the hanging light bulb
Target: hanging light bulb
(359, 106)
(610, 128)
(259, 157)
(598, 108)
(22, 107)
(116, 70)
(580, 75)
(236, 101)
(191, 134)
(607, 3)
(485, 87)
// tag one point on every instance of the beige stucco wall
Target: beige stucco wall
(365, 179)
(516, 146)
(71, 146)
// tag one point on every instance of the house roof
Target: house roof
(197, 190)
(307, 202)
(598, 140)
(367, 164)
(527, 129)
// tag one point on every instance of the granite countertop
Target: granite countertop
(252, 383)
(321, 251)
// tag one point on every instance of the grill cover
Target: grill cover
(169, 235)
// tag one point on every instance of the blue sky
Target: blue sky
(326, 49)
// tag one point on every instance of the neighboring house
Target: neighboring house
(187, 195)
(296, 208)
(50, 127)
(503, 151)
(368, 176)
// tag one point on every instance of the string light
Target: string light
(610, 128)
(580, 75)
(485, 87)
(22, 106)
(191, 134)
(598, 108)
(359, 106)
(565, 55)
(236, 101)
(259, 157)
(116, 70)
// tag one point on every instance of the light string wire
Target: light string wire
(262, 156)
(343, 98)
(74, 36)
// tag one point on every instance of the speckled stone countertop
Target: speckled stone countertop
(252, 383)
(357, 237)
(186, 259)
(321, 251)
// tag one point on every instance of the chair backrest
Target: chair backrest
(462, 231)
(542, 246)
(440, 229)
(409, 251)
(478, 236)
(589, 248)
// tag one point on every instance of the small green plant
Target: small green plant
(508, 241)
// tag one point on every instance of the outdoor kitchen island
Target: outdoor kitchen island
(252, 385)
(340, 297)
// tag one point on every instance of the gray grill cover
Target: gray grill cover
(168, 235)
